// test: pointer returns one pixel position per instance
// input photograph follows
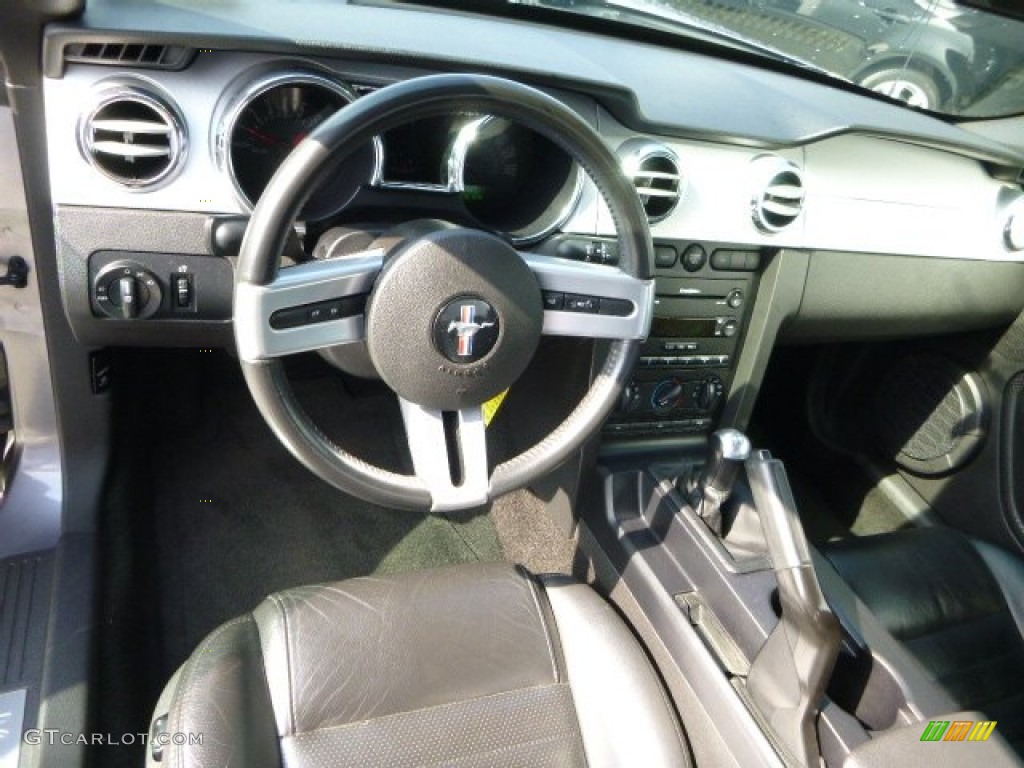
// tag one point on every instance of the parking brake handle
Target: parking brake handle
(787, 679)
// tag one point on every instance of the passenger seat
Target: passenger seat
(956, 604)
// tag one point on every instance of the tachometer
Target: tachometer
(271, 118)
(512, 179)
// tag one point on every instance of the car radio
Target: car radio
(686, 365)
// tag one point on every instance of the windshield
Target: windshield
(928, 54)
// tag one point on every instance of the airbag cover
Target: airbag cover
(454, 318)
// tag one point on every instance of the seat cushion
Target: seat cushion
(935, 590)
(478, 665)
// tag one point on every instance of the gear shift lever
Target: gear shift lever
(728, 449)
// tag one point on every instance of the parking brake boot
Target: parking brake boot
(788, 677)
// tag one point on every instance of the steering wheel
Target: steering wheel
(451, 317)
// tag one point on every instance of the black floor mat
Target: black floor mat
(223, 515)
(835, 495)
(238, 517)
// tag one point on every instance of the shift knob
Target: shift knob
(727, 450)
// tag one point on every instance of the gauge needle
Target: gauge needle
(266, 138)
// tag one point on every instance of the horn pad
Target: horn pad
(454, 318)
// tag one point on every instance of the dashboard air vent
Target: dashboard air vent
(130, 54)
(654, 171)
(1013, 233)
(132, 137)
(778, 196)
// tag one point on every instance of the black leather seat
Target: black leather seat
(481, 665)
(957, 605)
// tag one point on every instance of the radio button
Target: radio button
(664, 256)
(736, 261)
(694, 258)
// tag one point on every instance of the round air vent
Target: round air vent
(778, 196)
(654, 170)
(132, 137)
(1013, 232)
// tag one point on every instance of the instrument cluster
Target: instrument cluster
(500, 175)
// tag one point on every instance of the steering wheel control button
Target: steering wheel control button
(577, 303)
(694, 258)
(320, 312)
(664, 256)
(466, 330)
(481, 310)
(554, 300)
(617, 307)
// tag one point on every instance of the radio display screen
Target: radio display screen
(683, 327)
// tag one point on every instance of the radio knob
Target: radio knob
(666, 395)
(709, 393)
(735, 299)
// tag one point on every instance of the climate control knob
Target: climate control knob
(666, 395)
(631, 398)
(126, 291)
(709, 392)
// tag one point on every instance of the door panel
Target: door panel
(30, 506)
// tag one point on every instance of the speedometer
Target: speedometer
(271, 119)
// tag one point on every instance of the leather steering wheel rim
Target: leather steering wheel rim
(315, 158)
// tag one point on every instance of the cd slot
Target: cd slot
(689, 288)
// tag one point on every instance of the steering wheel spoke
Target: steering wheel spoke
(449, 454)
(591, 300)
(309, 306)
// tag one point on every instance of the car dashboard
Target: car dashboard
(780, 207)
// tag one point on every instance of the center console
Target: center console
(704, 295)
(704, 552)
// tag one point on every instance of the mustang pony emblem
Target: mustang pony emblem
(466, 327)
